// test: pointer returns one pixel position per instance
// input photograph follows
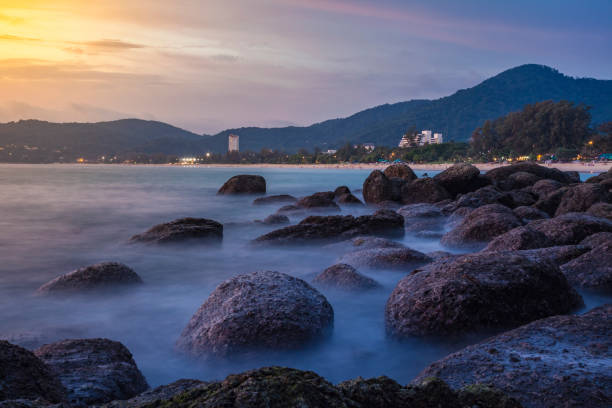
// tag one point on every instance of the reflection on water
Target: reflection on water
(56, 218)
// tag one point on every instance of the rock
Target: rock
(105, 275)
(574, 176)
(558, 255)
(343, 276)
(348, 199)
(275, 199)
(517, 198)
(24, 376)
(435, 255)
(363, 242)
(600, 177)
(545, 187)
(290, 209)
(182, 230)
(597, 239)
(477, 292)
(518, 238)
(377, 188)
(520, 179)
(94, 371)
(401, 171)
(244, 184)
(482, 196)
(422, 217)
(501, 174)
(261, 310)
(423, 190)
(571, 228)
(579, 197)
(559, 361)
(461, 178)
(481, 226)
(154, 396)
(323, 200)
(404, 259)
(337, 227)
(603, 210)
(388, 205)
(526, 214)
(551, 201)
(593, 269)
(275, 219)
(342, 190)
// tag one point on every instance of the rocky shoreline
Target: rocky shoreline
(529, 236)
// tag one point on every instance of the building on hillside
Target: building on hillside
(369, 147)
(405, 142)
(420, 139)
(233, 143)
(331, 151)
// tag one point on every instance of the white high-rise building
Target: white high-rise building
(438, 138)
(421, 139)
(233, 143)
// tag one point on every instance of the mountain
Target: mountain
(456, 116)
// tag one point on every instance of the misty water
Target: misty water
(57, 218)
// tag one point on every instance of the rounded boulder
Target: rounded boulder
(244, 184)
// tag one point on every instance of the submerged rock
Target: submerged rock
(275, 199)
(182, 230)
(261, 310)
(275, 219)
(560, 361)
(386, 258)
(25, 376)
(104, 275)
(319, 201)
(343, 276)
(477, 292)
(337, 227)
(244, 184)
(571, 228)
(348, 199)
(593, 269)
(94, 371)
(422, 217)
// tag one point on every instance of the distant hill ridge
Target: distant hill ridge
(456, 116)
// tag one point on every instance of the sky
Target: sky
(209, 65)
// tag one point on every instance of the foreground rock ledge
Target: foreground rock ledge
(244, 184)
(463, 294)
(260, 310)
(182, 230)
(560, 361)
(104, 275)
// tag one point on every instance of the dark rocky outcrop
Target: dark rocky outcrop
(461, 178)
(422, 217)
(482, 196)
(94, 371)
(25, 376)
(275, 219)
(550, 202)
(558, 255)
(544, 187)
(362, 242)
(597, 239)
(337, 227)
(526, 214)
(481, 226)
(182, 230)
(100, 276)
(500, 175)
(520, 179)
(475, 292)
(517, 198)
(159, 395)
(423, 190)
(603, 210)
(554, 362)
(401, 171)
(593, 269)
(345, 277)
(244, 184)
(600, 177)
(519, 238)
(261, 310)
(275, 199)
(319, 201)
(571, 228)
(377, 188)
(386, 258)
(341, 190)
(579, 197)
(348, 199)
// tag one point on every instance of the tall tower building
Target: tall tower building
(232, 145)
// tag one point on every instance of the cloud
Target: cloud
(111, 44)
(8, 37)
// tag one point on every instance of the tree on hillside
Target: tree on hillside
(539, 128)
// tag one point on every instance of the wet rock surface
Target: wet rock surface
(477, 291)
(260, 310)
(592, 269)
(345, 277)
(423, 190)
(519, 238)
(275, 199)
(526, 214)
(105, 275)
(386, 258)
(182, 230)
(337, 227)
(560, 361)
(94, 371)
(501, 174)
(377, 188)
(603, 210)
(581, 197)
(401, 171)
(571, 228)
(158, 395)
(319, 201)
(244, 184)
(460, 178)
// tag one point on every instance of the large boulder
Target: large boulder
(422, 217)
(244, 184)
(105, 275)
(481, 226)
(404, 259)
(423, 190)
(543, 187)
(261, 310)
(319, 201)
(401, 171)
(560, 361)
(337, 228)
(501, 174)
(275, 199)
(348, 199)
(182, 230)
(520, 179)
(597, 239)
(461, 178)
(527, 214)
(603, 210)
(580, 197)
(482, 196)
(345, 277)
(550, 202)
(477, 292)
(593, 269)
(558, 255)
(571, 228)
(518, 238)
(25, 376)
(517, 198)
(377, 188)
(94, 371)
(275, 219)
(600, 177)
